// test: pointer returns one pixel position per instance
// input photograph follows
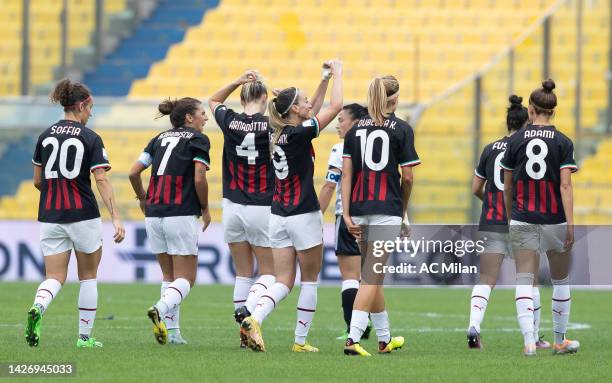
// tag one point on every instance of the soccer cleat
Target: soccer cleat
(253, 332)
(395, 343)
(32, 331)
(530, 350)
(352, 348)
(244, 340)
(241, 313)
(567, 347)
(541, 344)
(159, 327)
(367, 331)
(174, 337)
(304, 348)
(343, 336)
(473, 338)
(89, 343)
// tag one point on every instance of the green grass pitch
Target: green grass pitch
(432, 320)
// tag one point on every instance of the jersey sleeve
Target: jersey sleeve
(98, 158)
(408, 155)
(309, 128)
(567, 157)
(146, 157)
(347, 150)
(223, 116)
(200, 150)
(37, 158)
(481, 168)
(334, 172)
(509, 160)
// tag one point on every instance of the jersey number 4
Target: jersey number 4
(247, 148)
(63, 157)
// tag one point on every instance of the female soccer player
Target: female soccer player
(247, 188)
(346, 247)
(538, 164)
(68, 152)
(374, 194)
(488, 186)
(176, 197)
(296, 227)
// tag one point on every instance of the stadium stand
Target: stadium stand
(149, 43)
(287, 41)
(45, 37)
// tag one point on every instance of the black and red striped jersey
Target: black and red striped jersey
(493, 215)
(172, 153)
(247, 168)
(67, 152)
(293, 160)
(536, 155)
(376, 153)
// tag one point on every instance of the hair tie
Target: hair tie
(292, 101)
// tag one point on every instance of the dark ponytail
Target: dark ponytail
(517, 114)
(177, 109)
(69, 94)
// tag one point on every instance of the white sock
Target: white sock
(242, 285)
(561, 302)
(176, 292)
(268, 301)
(524, 305)
(537, 312)
(380, 321)
(88, 304)
(350, 284)
(478, 305)
(171, 318)
(45, 293)
(306, 307)
(359, 322)
(257, 290)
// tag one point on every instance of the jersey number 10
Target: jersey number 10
(367, 148)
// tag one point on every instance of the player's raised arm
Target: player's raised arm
(319, 95)
(327, 114)
(222, 94)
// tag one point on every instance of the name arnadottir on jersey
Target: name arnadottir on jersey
(254, 126)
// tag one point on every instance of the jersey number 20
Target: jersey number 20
(63, 157)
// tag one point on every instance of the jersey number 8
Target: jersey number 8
(539, 158)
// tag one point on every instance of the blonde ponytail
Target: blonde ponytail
(379, 93)
(279, 119)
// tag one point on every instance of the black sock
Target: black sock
(348, 298)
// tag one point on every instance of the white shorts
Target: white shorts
(246, 223)
(380, 227)
(530, 236)
(495, 243)
(173, 235)
(82, 236)
(303, 231)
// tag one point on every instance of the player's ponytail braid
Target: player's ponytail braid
(278, 110)
(381, 91)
